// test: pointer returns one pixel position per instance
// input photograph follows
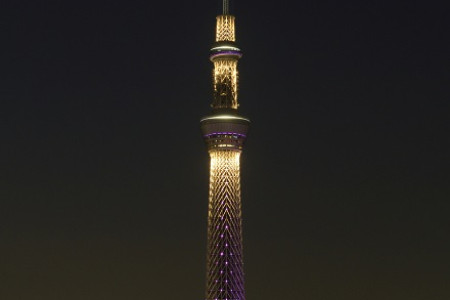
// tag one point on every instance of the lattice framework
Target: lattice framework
(225, 83)
(225, 28)
(225, 275)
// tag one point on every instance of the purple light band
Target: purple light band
(224, 53)
(228, 133)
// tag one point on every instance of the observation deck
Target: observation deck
(224, 131)
(225, 49)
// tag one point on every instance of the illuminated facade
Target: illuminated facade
(224, 132)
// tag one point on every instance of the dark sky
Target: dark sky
(104, 174)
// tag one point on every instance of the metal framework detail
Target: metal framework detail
(225, 275)
(225, 81)
(225, 29)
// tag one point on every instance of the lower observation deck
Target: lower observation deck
(224, 131)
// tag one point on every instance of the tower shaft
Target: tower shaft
(225, 277)
(224, 135)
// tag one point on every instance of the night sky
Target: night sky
(104, 174)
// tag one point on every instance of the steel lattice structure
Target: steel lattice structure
(224, 132)
(225, 278)
(225, 78)
(225, 29)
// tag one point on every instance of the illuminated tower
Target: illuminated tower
(224, 132)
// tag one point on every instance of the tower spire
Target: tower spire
(225, 55)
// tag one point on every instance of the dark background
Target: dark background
(104, 175)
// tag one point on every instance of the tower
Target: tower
(224, 131)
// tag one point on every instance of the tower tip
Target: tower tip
(225, 7)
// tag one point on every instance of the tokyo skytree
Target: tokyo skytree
(224, 132)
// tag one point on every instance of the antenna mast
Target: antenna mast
(226, 7)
